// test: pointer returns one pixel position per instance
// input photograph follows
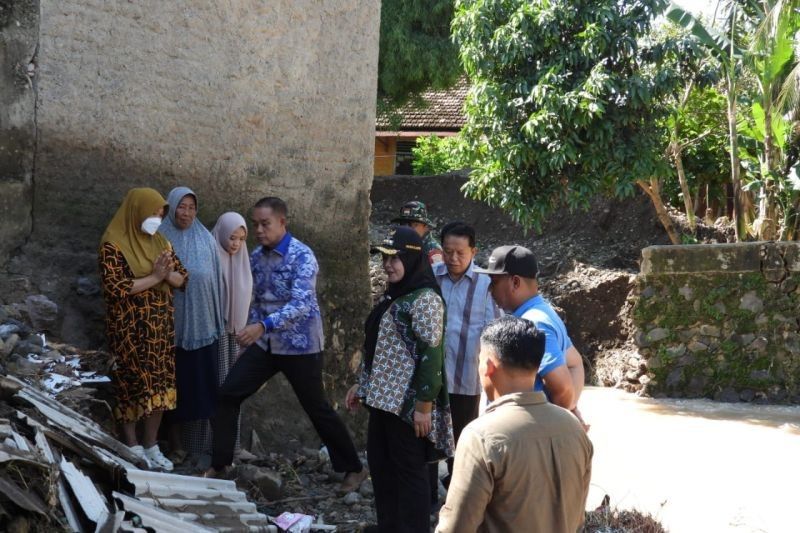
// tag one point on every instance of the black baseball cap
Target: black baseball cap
(514, 260)
(400, 239)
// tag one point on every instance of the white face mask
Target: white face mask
(151, 224)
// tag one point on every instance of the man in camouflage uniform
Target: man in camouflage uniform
(415, 215)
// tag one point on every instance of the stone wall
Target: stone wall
(720, 321)
(236, 100)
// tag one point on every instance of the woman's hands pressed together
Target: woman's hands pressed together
(163, 265)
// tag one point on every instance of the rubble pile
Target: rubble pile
(61, 470)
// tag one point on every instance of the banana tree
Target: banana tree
(769, 58)
(722, 46)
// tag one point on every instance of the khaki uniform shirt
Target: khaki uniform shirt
(523, 466)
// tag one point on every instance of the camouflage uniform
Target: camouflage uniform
(416, 211)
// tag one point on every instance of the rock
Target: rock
(35, 340)
(640, 339)
(788, 285)
(751, 302)
(632, 376)
(676, 351)
(268, 481)
(687, 292)
(634, 362)
(697, 346)
(6, 330)
(746, 339)
(654, 362)
(729, 395)
(648, 292)
(42, 311)
(696, 385)
(9, 344)
(351, 498)
(762, 319)
(366, 490)
(686, 360)
(26, 347)
(657, 334)
(674, 378)
(759, 375)
(85, 286)
(645, 379)
(776, 393)
(709, 331)
(720, 307)
(747, 395)
(759, 345)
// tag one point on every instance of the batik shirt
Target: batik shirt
(285, 298)
(408, 365)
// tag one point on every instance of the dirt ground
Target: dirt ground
(588, 260)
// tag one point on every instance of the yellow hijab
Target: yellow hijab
(124, 231)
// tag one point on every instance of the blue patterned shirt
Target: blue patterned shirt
(285, 298)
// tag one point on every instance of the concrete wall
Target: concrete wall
(19, 34)
(720, 321)
(236, 100)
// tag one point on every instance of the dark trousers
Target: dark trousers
(463, 409)
(399, 474)
(304, 373)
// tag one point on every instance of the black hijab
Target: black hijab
(417, 275)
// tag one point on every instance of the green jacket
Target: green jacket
(408, 365)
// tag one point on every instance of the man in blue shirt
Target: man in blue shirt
(514, 287)
(284, 334)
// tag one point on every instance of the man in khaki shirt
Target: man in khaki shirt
(524, 465)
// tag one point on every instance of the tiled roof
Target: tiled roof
(445, 111)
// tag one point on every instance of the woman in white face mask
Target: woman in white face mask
(139, 270)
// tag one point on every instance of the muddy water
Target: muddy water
(696, 465)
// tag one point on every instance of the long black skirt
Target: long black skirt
(196, 381)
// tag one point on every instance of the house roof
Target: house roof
(445, 111)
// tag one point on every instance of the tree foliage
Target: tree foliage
(565, 101)
(437, 155)
(416, 52)
(758, 40)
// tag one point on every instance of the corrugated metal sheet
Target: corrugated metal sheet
(215, 503)
(164, 502)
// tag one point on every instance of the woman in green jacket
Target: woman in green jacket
(403, 385)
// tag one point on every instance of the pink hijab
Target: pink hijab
(237, 280)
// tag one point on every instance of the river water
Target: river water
(696, 465)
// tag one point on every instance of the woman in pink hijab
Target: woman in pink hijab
(230, 232)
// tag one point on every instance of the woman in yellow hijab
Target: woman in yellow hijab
(139, 271)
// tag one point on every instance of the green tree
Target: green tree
(565, 103)
(698, 149)
(436, 155)
(416, 52)
(757, 39)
